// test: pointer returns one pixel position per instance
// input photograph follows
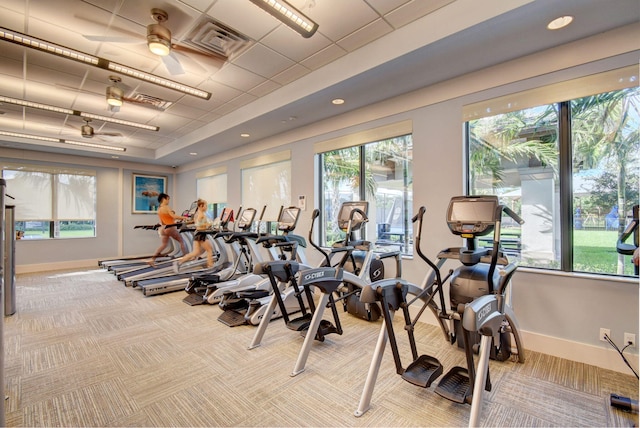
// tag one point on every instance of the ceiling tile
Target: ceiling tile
(385, 6)
(244, 17)
(365, 35)
(291, 45)
(237, 77)
(291, 74)
(263, 61)
(264, 88)
(353, 14)
(413, 10)
(324, 57)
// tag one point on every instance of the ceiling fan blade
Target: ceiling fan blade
(109, 134)
(124, 34)
(172, 64)
(190, 62)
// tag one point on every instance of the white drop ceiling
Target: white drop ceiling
(364, 51)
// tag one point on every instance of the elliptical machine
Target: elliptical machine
(622, 247)
(479, 316)
(335, 280)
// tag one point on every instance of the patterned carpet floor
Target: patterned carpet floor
(84, 350)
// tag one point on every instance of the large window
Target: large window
(266, 185)
(52, 203)
(570, 169)
(379, 172)
(213, 189)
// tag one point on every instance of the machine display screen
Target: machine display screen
(345, 213)
(288, 218)
(471, 212)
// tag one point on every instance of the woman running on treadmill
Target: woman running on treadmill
(200, 241)
(167, 216)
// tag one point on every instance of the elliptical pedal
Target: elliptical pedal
(193, 299)
(423, 371)
(300, 323)
(232, 318)
(455, 386)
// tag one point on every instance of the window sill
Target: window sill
(583, 275)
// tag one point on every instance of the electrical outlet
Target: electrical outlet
(604, 331)
(630, 338)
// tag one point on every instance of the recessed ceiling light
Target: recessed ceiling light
(337, 101)
(560, 22)
(245, 135)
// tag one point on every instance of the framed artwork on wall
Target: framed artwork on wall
(146, 189)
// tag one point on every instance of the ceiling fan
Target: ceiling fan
(159, 42)
(115, 96)
(87, 131)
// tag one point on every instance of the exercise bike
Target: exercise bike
(478, 317)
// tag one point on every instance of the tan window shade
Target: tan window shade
(364, 137)
(563, 91)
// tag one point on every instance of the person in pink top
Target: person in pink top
(167, 217)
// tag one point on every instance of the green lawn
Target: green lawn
(63, 234)
(595, 251)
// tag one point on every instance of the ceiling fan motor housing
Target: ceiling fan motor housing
(87, 131)
(159, 39)
(114, 96)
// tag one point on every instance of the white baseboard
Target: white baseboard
(602, 356)
(44, 267)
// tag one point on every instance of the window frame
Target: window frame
(566, 142)
(54, 223)
(406, 247)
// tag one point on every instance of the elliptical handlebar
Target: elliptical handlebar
(419, 218)
(314, 215)
(512, 214)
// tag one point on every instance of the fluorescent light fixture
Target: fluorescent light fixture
(60, 140)
(62, 51)
(24, 103)
(560, 22)
(94, 145)
(44, 46)
(157, 80)
(61, 110)
(288, 14)
(118, 121)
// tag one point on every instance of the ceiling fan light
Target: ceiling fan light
(114, 96)
(158, 39)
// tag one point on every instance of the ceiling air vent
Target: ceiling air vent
(151, 102)
(213, 37)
